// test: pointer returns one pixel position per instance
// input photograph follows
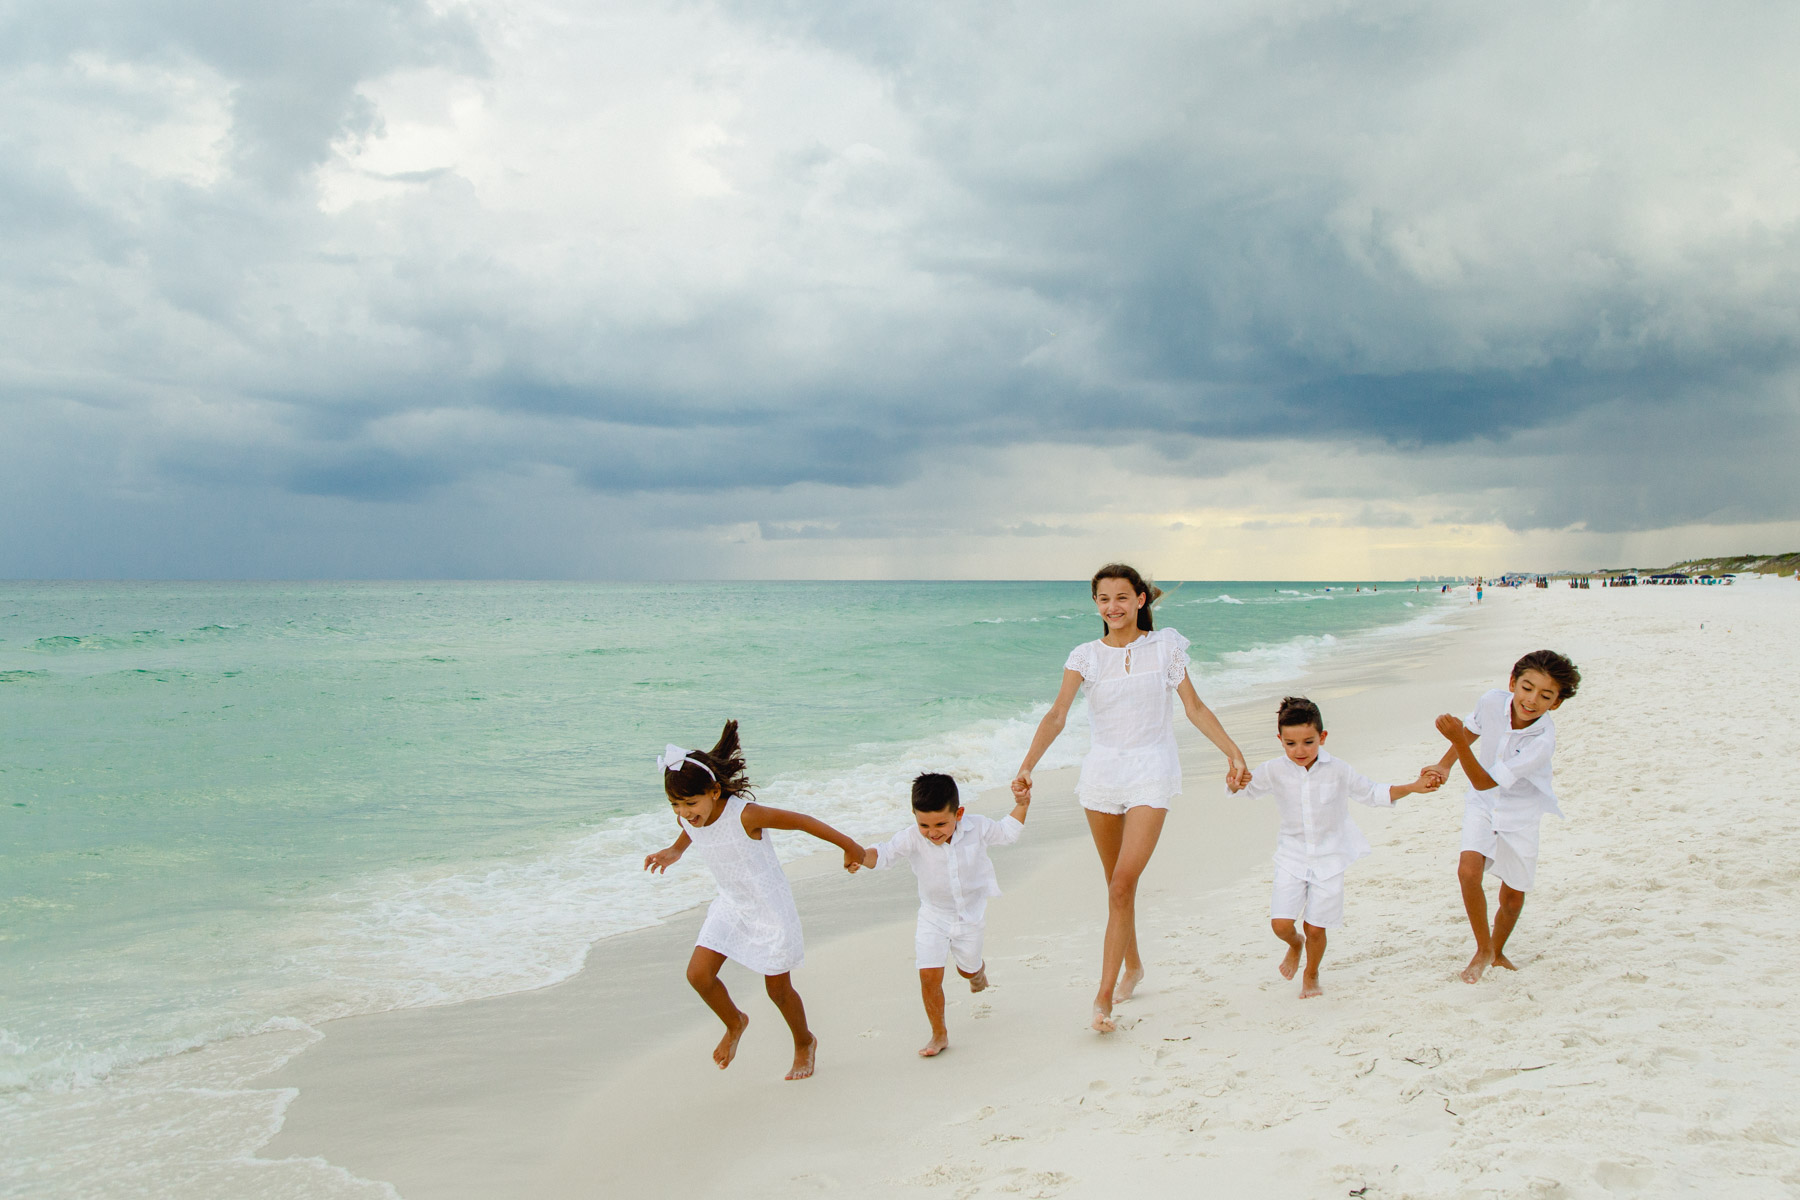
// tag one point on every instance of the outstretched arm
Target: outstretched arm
(1428, 781)
(761, 816)
(1462, 750)
(1203, 719)
(1047, 731)
(662, 860)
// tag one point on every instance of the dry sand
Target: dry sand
(1644, 1047)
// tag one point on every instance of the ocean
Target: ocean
(229, 812)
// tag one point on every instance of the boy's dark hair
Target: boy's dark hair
(725, 759)
(935, 793)
(1561, 671)
(1298, 710)
(1149, 591)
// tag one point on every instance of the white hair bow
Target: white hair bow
(673, 758)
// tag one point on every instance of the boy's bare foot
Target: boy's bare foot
(1290, 962)
(939, 1043)
(726, 1050)
(1103, 1021)
(804, 1058)
(1500, 960)
(978, 982)
(1128, 981)
(1478, 966)
(1309, 987)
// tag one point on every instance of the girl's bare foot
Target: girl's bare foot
(977, 982)
(1290, 962)
(726, 1050)
(1309, 987)
(939, 1043)
(1500, 960)
(804, 1058)
(1478, 966)
(1128, 981)
(1103, 1021)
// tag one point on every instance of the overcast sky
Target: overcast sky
(394, 288)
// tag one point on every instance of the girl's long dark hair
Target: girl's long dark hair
(1149, 591)
(726, 759)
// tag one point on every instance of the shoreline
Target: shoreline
(411, 1096)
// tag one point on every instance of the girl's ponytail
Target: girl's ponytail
(1149, 591)
(726, 760)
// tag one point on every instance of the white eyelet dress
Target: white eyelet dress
(753, 922)
(1131, 709)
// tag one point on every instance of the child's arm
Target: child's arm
(1021, 805)
(1427, 781)
(1047, 730)
(761, 816)
(1462, 744)
(662, 860)
(1203, 719)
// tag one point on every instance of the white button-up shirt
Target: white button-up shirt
(1517, 759)
(1317, 839)
(956, 878)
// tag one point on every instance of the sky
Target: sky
(828, 288)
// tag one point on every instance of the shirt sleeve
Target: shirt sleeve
(1364, 790)
(1003, 832)
(1081, 661)
(895, 848)
(1176, 668)
(1529, 763)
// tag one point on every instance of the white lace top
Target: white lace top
(1131, 708)
(754, 921)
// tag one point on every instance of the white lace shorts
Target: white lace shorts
(1114, 804)
(1511, 854)
(938, 939)
(1316, 901)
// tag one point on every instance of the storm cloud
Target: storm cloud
(349, 279)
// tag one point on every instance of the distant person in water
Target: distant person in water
(753, 922)
(1505, 747)
(948, 852)
(1133, 674)
(1317, 841)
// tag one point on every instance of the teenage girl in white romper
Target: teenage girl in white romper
(1133, 675)
(753, 922)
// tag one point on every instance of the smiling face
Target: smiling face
(699, 810)
(938, 827)
(1301, 743)
(1533, 694)
(1118, 603)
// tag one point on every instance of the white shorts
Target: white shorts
(1511, 854)
(1316, 901)
(939, 938)
(1115, 807)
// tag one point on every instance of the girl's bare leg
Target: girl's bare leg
(806, 1046)
(1125, 844)
(703, 977)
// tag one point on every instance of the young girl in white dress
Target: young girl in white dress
(1133, 676)
(753, 922)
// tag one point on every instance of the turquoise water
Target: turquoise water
(232, 807)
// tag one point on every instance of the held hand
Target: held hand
(1021, 786)
(662, 860)
(1429, 780)
(853, 859)
(1434, 772)
(1237, 775)
(1452, 728)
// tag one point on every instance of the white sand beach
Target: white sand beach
(1646, 1045)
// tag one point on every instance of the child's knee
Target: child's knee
(700, 976)
(1510, 901)
(1121, 889)
(1315, 933)
(930, 977)
(1471, 867)
(1283, 927)
(779, 987)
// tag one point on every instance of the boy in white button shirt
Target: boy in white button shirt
(1318, 840)
(949, 855)
(1509, 792)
